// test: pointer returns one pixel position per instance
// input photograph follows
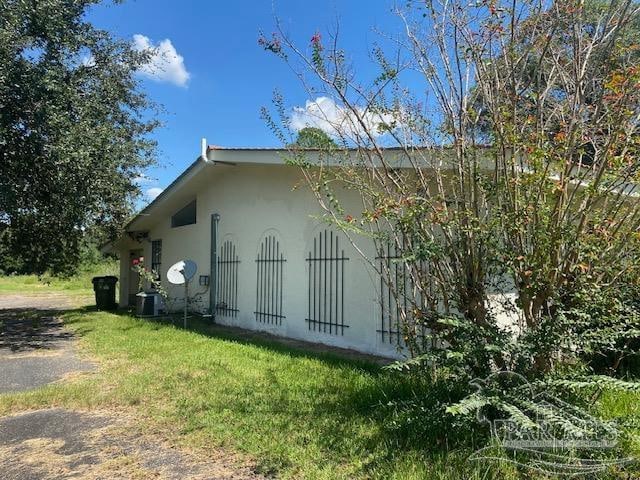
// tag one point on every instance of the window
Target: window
(156, 256)
(399, 297)
(270, 270)
(227, 287)
(185, 216)
(325, 298)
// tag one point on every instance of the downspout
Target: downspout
(213, 267)
(213, 281)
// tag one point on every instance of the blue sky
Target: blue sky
(225, 77)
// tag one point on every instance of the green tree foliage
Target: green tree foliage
(538, 74)
(74, 131)
(313, 137)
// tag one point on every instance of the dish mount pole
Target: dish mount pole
(186, 300)
(186, 303)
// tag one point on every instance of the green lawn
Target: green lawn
(295, 414)
(302, 416)
(79, 284)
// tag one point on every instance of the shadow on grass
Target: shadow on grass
(297, 348)
(358, 414)
(398, 413)
(24, 329)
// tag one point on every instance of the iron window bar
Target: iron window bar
(325, 298)
(393, 266)
(156, 257)
(227, 287)
(269, 278)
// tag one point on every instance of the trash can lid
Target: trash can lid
(107, 278)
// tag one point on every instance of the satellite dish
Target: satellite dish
(181, 272)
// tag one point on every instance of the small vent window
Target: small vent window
(185, 216)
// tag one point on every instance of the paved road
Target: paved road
(57, 443)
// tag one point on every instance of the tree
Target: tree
(74, 131)
(313, 137)
(544, 211)
(538, 71)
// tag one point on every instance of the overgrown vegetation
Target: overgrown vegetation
(508, 197)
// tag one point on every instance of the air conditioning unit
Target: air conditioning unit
(149, 304)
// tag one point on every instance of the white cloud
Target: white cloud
(152, 193)
(336, 120)
(165, 64)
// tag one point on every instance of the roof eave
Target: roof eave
(191, 170)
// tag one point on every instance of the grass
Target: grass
(298, 415)
(79, 284)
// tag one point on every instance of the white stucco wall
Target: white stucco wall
(255, 200)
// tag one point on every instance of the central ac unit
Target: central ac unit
(149, 304)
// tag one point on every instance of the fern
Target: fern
(471, 404)
(595, 381)
(518, 416)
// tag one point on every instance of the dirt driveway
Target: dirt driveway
(55, 443)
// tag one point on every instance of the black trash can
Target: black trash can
(105, 290)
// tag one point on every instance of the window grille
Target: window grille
(156, 257)
(227, 287)
(326, 294)
(270, 269)
(397, 295)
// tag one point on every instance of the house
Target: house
(266, 260)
